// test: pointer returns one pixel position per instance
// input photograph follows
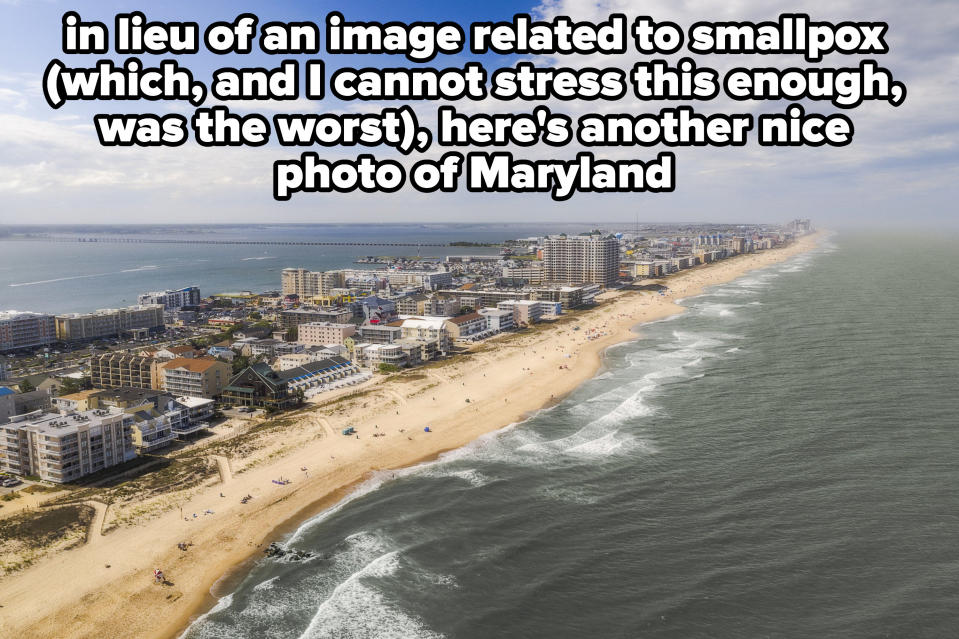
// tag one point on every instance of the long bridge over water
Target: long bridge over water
(153, 240)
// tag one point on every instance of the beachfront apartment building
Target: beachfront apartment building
(525, 312)
(426, 330)
(65, 448)
(322, 333)
(581, 259)
(113, 370)
(110, 322)
(465, 325)
(198, 377)
(21, 329)
(498, 319)
(173, 299)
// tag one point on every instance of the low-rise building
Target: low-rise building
(138, 321)
(465, 325)
(525, 312)
(322, 333)
(295, 317)
(379, 333)
(316, 374)
(427, 329)
(258, 386)
(498, 319)
(112, 370)
(198, 377)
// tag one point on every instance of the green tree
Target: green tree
(26, 386)
(239, 363)
(388, 368)
(465, 310)
(292, 334)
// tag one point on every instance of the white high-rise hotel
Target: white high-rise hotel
(581, 259)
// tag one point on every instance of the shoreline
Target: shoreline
(225, 546)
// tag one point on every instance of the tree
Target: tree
(292, 334)
(388, 368)
(71, 385)
(239, 363)
(465, 310)
(26, 386)
(255, 316)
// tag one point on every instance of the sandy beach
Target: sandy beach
(104, 588)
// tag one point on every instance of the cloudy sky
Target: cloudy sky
(903, 167)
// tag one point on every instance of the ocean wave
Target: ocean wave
(150, 267)
(250, 259)
(354, 609)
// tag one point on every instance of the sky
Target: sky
(901, 170)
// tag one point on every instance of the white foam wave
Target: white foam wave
(249, 259)
(265, 585)
(354, 609)
(150, 267)
(222, 604)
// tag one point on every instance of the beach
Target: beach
(458, 400)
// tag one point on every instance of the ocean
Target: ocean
(66, 277)
(779, 461)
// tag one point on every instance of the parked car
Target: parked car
(10, 482)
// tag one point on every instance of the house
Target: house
(172, 352)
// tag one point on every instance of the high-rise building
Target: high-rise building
(25, 330)
(172, 300)
(581, 259)
(307, 284)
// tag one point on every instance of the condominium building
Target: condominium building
(199, 377)
(465, 325)
(525, 312)
(113, 370)
(498, 319)
(581, 259)
(426, 330)
(307, 284)
(171, 300)
(64, 448)
(533, 273)
(379, 333)
(321, 333)
(110, 322)
(20, 329)
(295, 317)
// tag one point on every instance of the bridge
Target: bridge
(150, 240)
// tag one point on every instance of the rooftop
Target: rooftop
(199, 365)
